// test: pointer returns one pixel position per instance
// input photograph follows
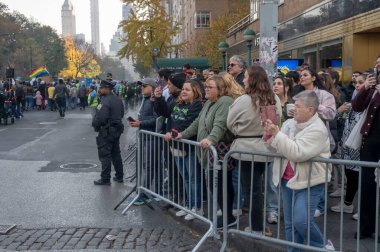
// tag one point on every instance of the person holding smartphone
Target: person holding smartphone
(147, 121)
(369, 98)
(186, 110)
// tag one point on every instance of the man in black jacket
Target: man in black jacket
(108, 122)
(61, 93)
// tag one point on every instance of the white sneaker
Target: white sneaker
(355, 216)
(192, 217)
(346, 208)
(180, 213)
(318, 213)
(272, 218)
(329, 245)
(219, 212)
(236, 212)
(337, 193)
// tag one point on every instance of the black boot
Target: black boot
(101, 182)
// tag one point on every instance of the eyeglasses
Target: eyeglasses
(208, 87)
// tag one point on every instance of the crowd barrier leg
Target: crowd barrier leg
(151, 171)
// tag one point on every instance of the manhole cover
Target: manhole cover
(4, 229)
(78, 166)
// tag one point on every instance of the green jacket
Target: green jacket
(216, 123)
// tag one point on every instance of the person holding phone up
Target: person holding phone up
(369, 98)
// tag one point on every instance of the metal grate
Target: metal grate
(78, 166)
(4, 229)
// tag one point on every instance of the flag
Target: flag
(41, 71)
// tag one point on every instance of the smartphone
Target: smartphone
(174, 133)
(374, 73)
(130, 119)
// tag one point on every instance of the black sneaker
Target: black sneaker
(120, 180)
(101, 182)
(231, 223)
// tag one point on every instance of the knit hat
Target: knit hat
(178, 79)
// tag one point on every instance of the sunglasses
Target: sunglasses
(144, 85)
(232, 65)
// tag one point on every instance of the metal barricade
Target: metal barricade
(161, 171)
(280, 238)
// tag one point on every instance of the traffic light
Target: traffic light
(10, 73)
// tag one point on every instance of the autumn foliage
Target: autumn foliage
(81, 60)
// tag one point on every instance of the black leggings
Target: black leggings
(352, 185)
(256, 195)
(230, 192)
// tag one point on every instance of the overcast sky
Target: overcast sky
(48, 12)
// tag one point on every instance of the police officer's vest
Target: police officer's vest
(121, 90)
(95, 101)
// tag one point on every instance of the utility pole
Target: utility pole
(268, 37)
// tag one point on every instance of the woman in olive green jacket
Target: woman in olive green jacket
(210, 128)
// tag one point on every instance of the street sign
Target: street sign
(155, 51)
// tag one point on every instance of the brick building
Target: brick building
(324, 34)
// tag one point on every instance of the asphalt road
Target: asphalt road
(37, 193)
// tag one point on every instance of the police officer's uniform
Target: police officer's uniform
(108, 122)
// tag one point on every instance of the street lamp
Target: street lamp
(248, 36)
(223, 46)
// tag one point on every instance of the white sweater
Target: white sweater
(298, 143)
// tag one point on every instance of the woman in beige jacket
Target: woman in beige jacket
(244, 121)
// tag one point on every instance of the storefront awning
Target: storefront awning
(195, 63)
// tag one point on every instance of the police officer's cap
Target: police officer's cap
(106, 84)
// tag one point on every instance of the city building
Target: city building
(197, 15)
(95, 36)
(80, 37)
(68, 19)
(175, 9)
(330, 33)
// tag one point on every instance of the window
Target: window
(202, 19)
(254, 5)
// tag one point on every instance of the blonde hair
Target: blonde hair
(234, 90)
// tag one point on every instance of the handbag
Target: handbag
(222, 148)
(268, 112)
(354, 140)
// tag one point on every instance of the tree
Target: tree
(207, 46)
(26, 44)
(148, 27)
(114, 66)
(80, 58)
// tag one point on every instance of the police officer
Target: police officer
(108, 122)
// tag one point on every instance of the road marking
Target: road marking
(78, 116)
(48, 123)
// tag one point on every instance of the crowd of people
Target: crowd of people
(304, 114)
(18, 97)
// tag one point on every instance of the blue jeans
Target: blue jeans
(299, 222)
(191, 173)
(73, 102)
(272, 197)
(235, 184)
